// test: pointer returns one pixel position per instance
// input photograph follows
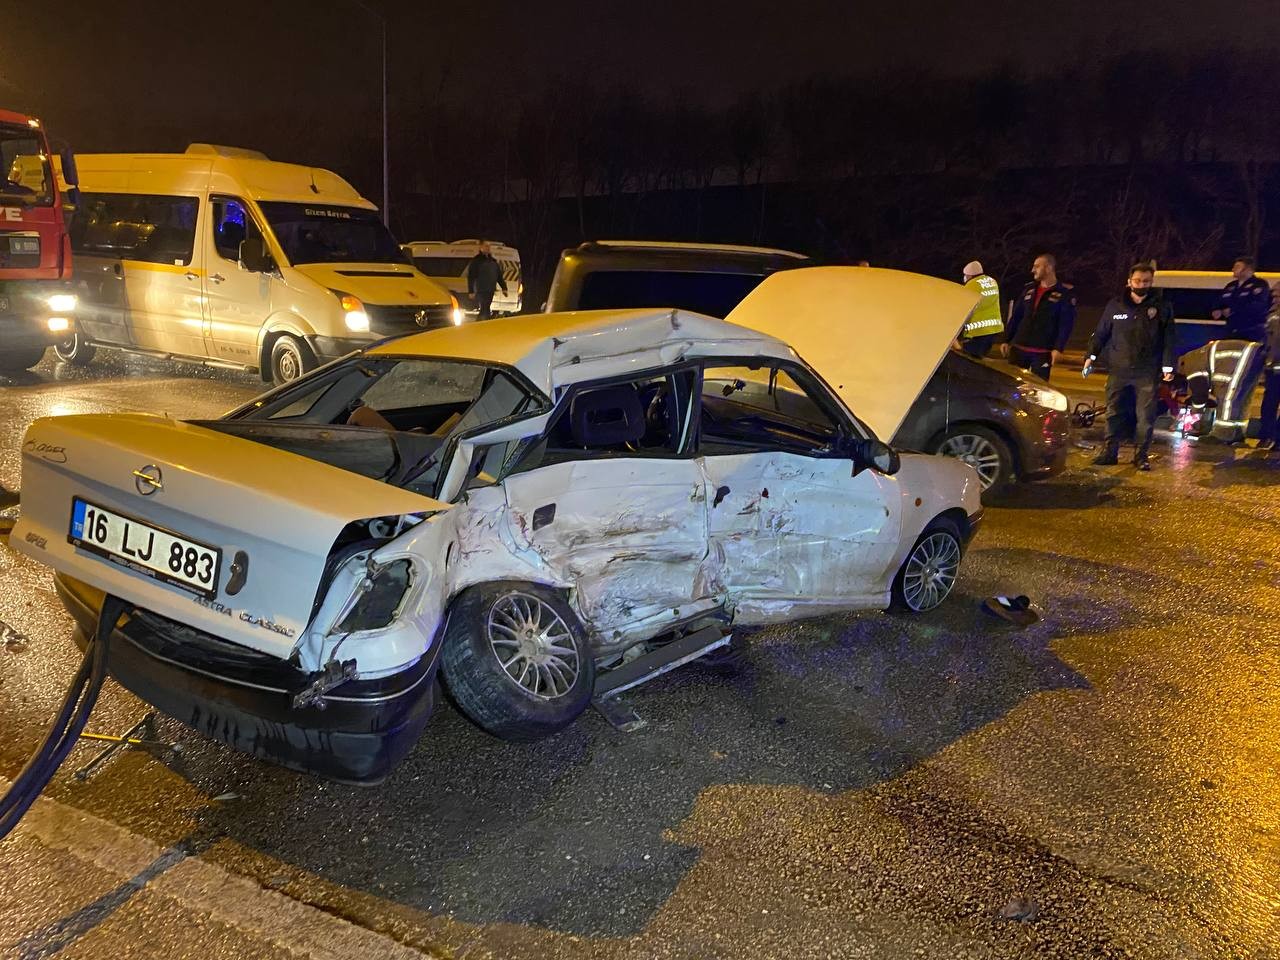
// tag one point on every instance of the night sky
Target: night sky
(300, 80)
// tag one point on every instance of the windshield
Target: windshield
(389, 418)
(314, 233)
(24, 162)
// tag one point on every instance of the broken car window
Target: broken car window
(761, 408)
(647, 417)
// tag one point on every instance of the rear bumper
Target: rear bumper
(244, 699)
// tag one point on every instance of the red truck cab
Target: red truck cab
(37, 304)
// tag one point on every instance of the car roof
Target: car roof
(556, 348)
(688, 247)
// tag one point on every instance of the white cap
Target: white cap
(973, 269)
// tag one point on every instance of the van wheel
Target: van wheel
(290, 359)
(75, 350)
(984, 450)
(516, 661)
(928, 574)
(17, 359)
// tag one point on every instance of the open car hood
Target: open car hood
(876, 336)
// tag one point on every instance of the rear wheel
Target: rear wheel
(17, 359)
(516, 661)
(75, 349)
(930, 570)
(290, 359)
(984, 450)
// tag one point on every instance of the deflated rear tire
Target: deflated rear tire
(929, 572)
(516, 661)
(290, 359)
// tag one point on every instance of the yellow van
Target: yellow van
(222, 256)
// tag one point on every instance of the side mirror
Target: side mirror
(70, 177)
(875, 454)
(254, 256)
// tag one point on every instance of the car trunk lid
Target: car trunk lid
(273, 513)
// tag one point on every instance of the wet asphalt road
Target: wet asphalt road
(1105, 783)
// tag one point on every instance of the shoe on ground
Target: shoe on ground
(1107, 458)
(1144, 465)
(1266, 445)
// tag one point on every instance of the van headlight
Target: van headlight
(1043, 397)
(354, 313)
(62, 302)
(457, 315)
(381, 594)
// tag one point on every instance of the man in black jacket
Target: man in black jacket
(1041, 320)
(484, 275)
(1136, 335)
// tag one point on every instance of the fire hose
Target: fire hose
(66, 727)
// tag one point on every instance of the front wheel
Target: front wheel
(984, 450)
(75, 350)
(290, 359)
(928, 574)
(516, 660)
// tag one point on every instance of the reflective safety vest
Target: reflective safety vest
(986, 318)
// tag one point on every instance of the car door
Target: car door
(792, 524)
(102, 312)
(162, 280)
(610, 501)
(237, 301)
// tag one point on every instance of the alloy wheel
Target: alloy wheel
(931, 571)
(979, 452)
(533, 645)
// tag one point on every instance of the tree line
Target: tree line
(1133, 155)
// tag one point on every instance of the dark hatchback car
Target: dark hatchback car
(1006, 423)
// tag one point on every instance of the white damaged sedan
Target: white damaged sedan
(526, 506)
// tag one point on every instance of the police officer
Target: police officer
(984, 325)
(1136, 335)
(1244, 303)
(1268, 423)
(1041, 320)
(484, 275)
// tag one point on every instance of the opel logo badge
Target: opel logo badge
(148, 480)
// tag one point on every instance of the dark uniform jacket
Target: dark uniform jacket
(1248, 302)
(1135, 339)
(484, 273)
(1044, 326)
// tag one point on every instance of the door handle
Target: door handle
(191, 275)
(216, 277)
(118, 271)
(544, 515)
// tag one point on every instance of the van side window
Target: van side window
(136, 227)
(231, 225)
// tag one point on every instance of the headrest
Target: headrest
(607, 416)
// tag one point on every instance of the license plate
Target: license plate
(145, 548)
(24, 246)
